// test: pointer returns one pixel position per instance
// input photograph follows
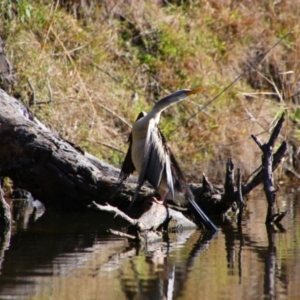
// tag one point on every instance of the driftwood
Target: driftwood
(64, 177)
(147, 228)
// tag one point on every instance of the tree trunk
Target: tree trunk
(56, 172)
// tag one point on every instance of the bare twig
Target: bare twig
(293, 172)
(115, 211)
(280, 216)
(50, 22)
(114, 114)
(229, 180)
(32, 98)
(76, 72)
(240, 196)
(257, 141)
(256, 180)
(107, 145)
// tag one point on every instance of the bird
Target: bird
(150, 155)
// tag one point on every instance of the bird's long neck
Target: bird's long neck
(154, 114)
(158, 108)
(140, 128)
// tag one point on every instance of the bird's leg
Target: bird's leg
(154, 199)
(158, 201)
(162, 199)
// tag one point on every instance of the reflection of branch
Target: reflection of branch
(4, 244)
(229, 182)
(270, 264)
(5, 216)
(240, 253)
(5, 225)
(201, 245)
(240, 196)
(172, 281)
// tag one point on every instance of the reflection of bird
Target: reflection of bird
(150, 155)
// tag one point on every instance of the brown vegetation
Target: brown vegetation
(87, 68)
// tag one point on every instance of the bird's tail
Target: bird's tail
(201, 216)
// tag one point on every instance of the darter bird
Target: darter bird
(150, 155)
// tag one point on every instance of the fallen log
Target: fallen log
(55, 171)
(63, 177)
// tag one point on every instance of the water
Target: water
(70, 256)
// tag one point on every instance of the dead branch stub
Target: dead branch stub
(267, 162)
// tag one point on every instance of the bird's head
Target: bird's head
(175, 98)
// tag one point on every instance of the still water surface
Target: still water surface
(70, 256)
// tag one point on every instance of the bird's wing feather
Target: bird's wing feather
(143, 176)
(159, 163)
(170, 183)
(201, 216)
(156, 161)
(178, 176)
(128, 166)
(175, 177)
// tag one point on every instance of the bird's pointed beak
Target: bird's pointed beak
(199, 90)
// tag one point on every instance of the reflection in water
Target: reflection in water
(154, 274)
(70, 256)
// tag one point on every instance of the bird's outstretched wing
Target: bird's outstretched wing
(128, 166)
(156, 161)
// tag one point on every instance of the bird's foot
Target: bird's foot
(149, 202)
(153, 199)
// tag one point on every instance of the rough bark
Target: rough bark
(52, 169)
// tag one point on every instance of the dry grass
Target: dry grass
(101, 70)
